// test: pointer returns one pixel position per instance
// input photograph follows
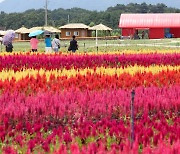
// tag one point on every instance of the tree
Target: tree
(59, 17)
(91, 24)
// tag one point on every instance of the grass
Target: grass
(108, 45)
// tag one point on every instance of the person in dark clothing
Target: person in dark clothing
(9, 47)
(73, 44)
(136, 35)
(143, 34)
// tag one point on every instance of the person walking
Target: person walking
(1, 41)
(56, 43)
(73, 44)
(48, 48)
(34, 44)
(143, 34)
(9, 47)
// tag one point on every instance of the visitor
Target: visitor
(48, 47)
(143, 34)
(56, 43)
(136, 35)
(34, 44)
(1, 41)
(73, 44)
(9, 47)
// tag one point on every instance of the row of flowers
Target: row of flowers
(109, 52)
(94, 121)
(80, 103)
(132, 70)
(104, 136)
(31, 84)
(90, 103)
(49, 62)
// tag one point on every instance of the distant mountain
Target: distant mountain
(59, 17)
(22, 5)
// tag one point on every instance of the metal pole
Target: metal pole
(132, 117)
(106, 45)
(46, 12)
(84, 47)
(68, 18)
(96, 38)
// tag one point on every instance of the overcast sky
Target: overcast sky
(22, 5)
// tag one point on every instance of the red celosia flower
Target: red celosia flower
(9, 150)
(67, 138)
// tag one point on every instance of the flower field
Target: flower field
(80, 103)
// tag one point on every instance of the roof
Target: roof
(100, 27)
(158, 20)
(35, 28)
(2, 32)
(75, 26)
(51, 29)
(22, 30)
(47, 28)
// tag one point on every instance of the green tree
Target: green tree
(59, 17)
(91, 24)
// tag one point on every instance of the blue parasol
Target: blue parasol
(35, 33)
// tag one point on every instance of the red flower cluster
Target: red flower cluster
(49, 62)
(91, 82)
(89, 113)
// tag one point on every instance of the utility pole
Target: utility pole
(68, 18)
(46, 12)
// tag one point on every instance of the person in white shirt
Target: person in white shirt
(56, 43)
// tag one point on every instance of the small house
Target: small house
(22, 33)
(77, 29)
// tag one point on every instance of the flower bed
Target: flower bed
(64, 103)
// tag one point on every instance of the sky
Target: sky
(22, 5)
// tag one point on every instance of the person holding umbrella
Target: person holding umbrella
(7, 40)
(9, 47)
(34, 44)
(34, 41)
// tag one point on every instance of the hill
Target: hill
(59, 17)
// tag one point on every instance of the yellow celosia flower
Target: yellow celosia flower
(9, 74)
